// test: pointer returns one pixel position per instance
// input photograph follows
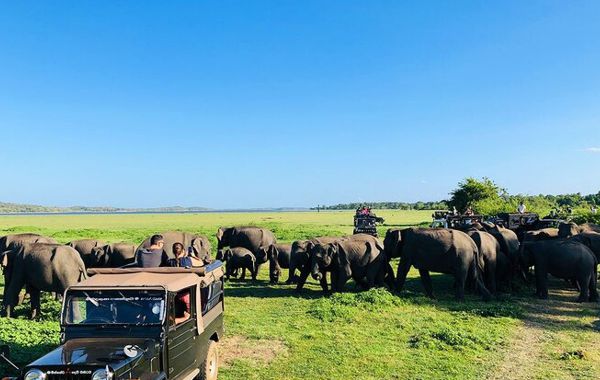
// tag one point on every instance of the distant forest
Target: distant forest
(441, 205)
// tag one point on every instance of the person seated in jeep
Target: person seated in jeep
(181, 259)
(182, 307)
(153, 256)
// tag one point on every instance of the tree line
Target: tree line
(485, 197)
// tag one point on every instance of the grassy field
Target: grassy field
(274, 333)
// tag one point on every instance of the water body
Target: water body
(151, 212)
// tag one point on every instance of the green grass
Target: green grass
(363, 335)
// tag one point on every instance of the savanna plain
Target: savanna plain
(272, 332)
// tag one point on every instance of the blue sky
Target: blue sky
(232, 104)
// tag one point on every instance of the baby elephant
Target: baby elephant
(238, 258)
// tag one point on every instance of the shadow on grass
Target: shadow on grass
(262, 289)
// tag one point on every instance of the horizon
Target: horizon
(237, 105)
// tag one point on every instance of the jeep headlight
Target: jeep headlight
(35, 374)
(102, 374)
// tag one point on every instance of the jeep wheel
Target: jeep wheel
(210, 366)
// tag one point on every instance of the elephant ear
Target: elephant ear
(341, 258)
(197, 246)
(220, 233)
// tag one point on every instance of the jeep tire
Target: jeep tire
(209, 368)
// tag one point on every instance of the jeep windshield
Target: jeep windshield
(107, 307)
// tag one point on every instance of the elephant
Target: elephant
(361, 259)
(542, 234)
(509, 246)
(494, 262)
(114, 255)
(279, 258)
(85, 247)
(567, 259)
(7, 241)
(251, 238)
(591, 240)
(439, 250)
(238, 258)
(566, 230)
(300, 259)
(11, 241)
(200, 244)
(39, 267)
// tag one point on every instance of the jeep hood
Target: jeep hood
(96, 352)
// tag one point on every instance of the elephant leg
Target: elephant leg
(11, 293)
(243, 276)
(403, 268)
(34, 295)
(584, 287)
(340, 281)
(250, 267)
(541, 282)
(389, 275)
(491, 277)
(593, 290)
(323, 282)
(291, 273)
(426, 280)
(304, 272)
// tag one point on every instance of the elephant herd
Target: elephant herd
(485, 258)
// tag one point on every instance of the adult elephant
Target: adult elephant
(439, 250)
(300, 260)
(542, 234)
(360, 258)
(591, 240)
(567, 259)
(13, 241)
(114, 255)
(279, 258)
(200, 244)
(494, 262)
(17, 239)
(86, 249)
(251, 238)
(39, 267)
(509, 246)
(566, 230)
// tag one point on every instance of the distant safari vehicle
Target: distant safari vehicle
(365, 222)
(138, 323)
(446, 219)
(529, 221)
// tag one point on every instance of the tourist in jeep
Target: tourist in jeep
(181, 259)
(153, 256)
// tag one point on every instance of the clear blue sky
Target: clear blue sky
(232, 104)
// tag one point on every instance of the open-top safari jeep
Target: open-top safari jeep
(135, 323)
(445, 219)
(366, 223)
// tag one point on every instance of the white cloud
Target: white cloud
(593, 149)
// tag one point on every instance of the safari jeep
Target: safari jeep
(135, 323)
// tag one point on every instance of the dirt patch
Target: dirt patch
(543, 322)
(257, 351)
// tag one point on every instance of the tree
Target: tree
(482, 195)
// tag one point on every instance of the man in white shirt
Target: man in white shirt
(521, 209)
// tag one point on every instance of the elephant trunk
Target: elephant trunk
(315, 272)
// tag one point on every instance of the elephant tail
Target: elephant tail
(477, 273)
